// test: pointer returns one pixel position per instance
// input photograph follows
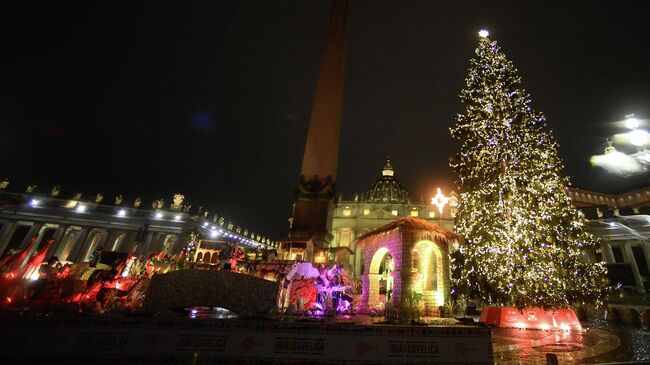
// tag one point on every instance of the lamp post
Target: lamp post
(626, 164)
(632, 122)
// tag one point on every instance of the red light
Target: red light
(531, 318)
(8, 300)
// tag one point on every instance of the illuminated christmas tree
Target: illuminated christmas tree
(192, 239)
(525, 245)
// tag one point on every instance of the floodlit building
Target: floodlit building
(385, 201)
(621, 221)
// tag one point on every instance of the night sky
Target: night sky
(212, 99)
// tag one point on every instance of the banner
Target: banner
(180, 340)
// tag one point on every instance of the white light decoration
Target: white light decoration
(639, 137)
(631, 122)
(440, 200)
(635, 137)
(121, 213)
(34, 202)
(483, 33)
(625, 163)
(616, 162)
(81, 208)
(177, 217)
(214, 234)
(159, 215)
(522, 239)
(205, 224)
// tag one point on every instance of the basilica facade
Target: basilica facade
(620, 221)
(385, 201)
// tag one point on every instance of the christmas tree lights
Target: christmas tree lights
(525, 245)
(192, 240)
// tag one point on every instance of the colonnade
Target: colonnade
(75, 242)
(639, 259)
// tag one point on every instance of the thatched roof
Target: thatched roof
(415, 224)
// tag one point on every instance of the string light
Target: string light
(525, 244)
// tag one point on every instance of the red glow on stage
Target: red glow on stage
(531, 318)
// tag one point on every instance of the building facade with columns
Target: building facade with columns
(80, 226)
(385, 201)
(622, 222)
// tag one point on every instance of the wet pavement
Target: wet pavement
(602, 342)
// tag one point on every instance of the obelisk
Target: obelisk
(313, 207)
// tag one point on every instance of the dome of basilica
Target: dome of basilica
(387, 189)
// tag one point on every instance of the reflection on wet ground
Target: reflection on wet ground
(600, 343)
(210, 313)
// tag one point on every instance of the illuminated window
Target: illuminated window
(432, 214)
(366, 211)
(347, 212)
(394, 212)
(415, 213)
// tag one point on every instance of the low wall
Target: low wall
(242, 294)
(148, 340)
